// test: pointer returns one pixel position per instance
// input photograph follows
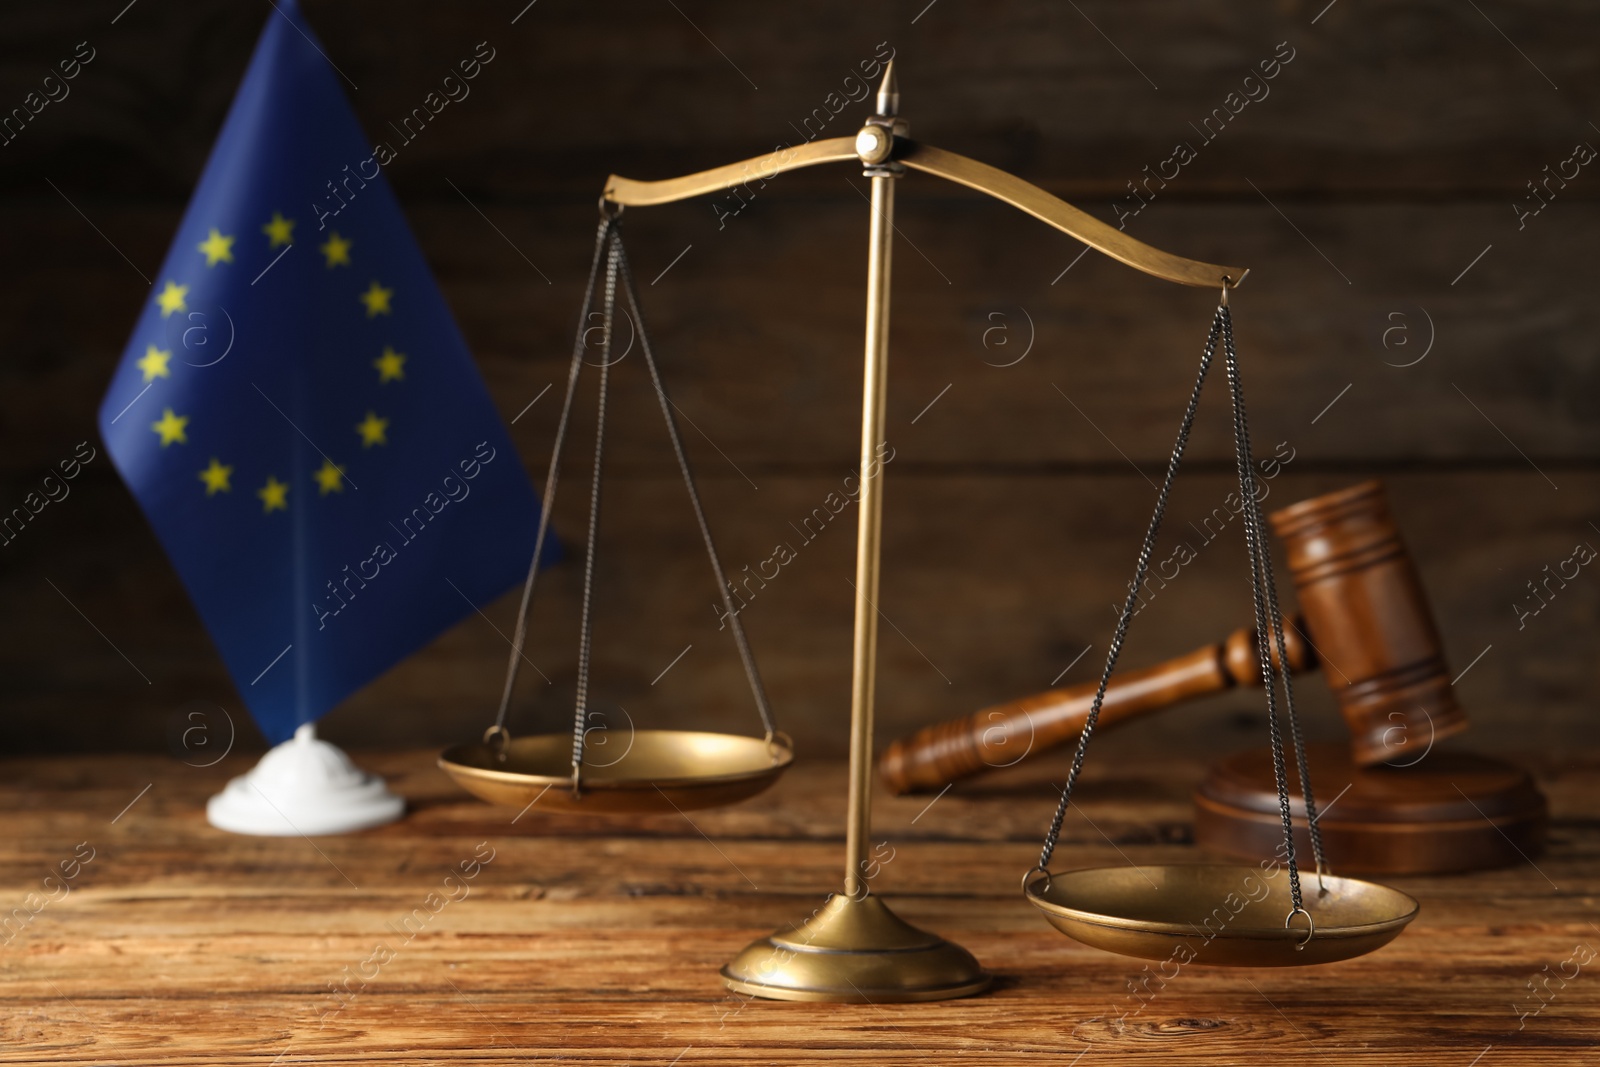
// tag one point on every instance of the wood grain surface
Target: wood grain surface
(592, 941)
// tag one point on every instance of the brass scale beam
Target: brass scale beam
(954, 167)
(853, 948)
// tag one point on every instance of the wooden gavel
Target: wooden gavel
(1364, 620)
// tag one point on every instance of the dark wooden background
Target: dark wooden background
(1385, 160)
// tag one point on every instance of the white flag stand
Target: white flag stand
(304, 786)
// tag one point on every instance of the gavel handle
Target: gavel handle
(1009, 733)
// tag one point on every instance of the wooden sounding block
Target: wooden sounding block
(1429, 811)
(1451, 811)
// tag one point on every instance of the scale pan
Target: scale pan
(658, 771)
(1216, 914)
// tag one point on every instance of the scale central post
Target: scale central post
(853, 948)
(874, 401)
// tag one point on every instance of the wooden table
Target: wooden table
(599, 942)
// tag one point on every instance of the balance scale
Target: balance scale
(853, 948)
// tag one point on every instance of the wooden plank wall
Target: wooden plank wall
(1033, 393)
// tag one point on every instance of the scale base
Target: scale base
(855, 952)
(302, 787)
(1449, 811)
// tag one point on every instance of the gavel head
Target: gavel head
(1369, 624)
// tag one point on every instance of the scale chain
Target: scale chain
(608, 246)
(1268, 670)
(580, 705)
(1262, 579)
(1269, 620)
(547, 503)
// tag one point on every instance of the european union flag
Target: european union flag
(298, 415)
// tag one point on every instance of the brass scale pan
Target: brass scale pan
(1212, 914)
(657, 770)
(660, 771)
(1225, 915)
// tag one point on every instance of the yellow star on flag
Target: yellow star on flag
(391, 366)
(171, 427)
(216, 477)
(172, 298)
(373, 430)
(337, 250)
(274, 496)
(330, 478)
(154, 363)
(280, 231)
(377, 299)
(217, 248)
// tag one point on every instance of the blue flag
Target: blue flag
(299, 417)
